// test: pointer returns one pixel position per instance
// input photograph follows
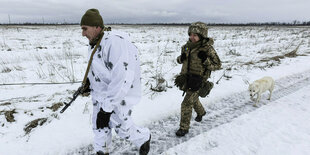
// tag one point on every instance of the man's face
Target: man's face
(194, 37)
(91, 32)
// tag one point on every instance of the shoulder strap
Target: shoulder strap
(188, 59)
(90, 61)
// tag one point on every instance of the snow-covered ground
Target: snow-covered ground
(32, 54)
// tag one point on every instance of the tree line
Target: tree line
(294, 23)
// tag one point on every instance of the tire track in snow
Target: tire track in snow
(220, 112)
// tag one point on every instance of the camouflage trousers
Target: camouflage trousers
(191, 100)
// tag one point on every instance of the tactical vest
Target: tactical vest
(194, 63)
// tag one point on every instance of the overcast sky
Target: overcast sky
(156, 11)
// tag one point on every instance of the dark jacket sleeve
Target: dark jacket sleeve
(182, 57)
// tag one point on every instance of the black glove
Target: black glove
(103, 119)
(183, 57)
(180, 81)
(85, 90)
(202, 55)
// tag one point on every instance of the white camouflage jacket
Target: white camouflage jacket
(115, 73)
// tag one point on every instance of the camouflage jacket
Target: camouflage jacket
(196, 64)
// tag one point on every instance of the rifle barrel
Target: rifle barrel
(75, 95)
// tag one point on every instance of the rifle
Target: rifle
(75, 95)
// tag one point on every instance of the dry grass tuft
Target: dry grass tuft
(9, 115)
(33, 124)
(56, 106)
(5, 103)
(293, 53)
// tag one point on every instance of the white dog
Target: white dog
(260, 86)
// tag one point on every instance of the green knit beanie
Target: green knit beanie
(92, 18)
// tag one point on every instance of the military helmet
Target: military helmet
(199, 28)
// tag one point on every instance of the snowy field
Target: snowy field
(30, 122)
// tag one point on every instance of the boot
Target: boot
(101, 153)
(145, 148)
(181, 132)
(199, 117)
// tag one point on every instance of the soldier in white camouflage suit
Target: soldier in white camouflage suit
(114, 79)
(198, 58)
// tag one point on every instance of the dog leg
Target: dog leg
(252, 98)
(255, 101)
(258, 98)
(270, 92)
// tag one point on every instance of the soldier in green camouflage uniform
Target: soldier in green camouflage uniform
(198, 58)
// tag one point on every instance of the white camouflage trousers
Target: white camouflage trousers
(123, 125)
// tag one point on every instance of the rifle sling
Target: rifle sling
(90, 61)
